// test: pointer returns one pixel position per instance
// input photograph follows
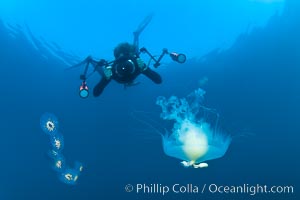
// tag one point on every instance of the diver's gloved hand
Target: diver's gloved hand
(141, 64)
(107, 71)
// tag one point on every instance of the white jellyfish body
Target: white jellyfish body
(49, 123)
(57, 142)
(59, 163)
(69, 176)
(198, 143)
(192, 140)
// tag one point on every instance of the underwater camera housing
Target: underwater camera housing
(125, 68)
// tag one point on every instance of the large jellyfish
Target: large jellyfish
(49, 125)
(194, 138)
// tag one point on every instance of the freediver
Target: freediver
(125, 69)
(127, 65)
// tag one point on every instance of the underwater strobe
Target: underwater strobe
(178, 57)
(83, 90)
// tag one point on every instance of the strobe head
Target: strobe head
(83, 90)
(180, 58)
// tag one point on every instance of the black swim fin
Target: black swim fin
(140, 28)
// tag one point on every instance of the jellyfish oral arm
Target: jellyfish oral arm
(193, 164)
(187, 164)
(200, 165)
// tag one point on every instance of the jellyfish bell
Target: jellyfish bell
(188, 143)
(197, 144)
(218, 143)
(193, 139)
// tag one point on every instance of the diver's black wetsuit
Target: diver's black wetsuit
(128, 52)
(155, 77)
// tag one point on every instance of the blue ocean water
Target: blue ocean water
(248, 64)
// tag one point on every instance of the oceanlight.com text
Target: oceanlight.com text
(156, 188)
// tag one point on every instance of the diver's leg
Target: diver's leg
(98, 89)
(154, 76)
(140, 28)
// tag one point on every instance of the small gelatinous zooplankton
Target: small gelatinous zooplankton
(193, 139)
(49, 125)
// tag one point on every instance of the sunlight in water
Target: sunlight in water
(269, 1)
(13, 8)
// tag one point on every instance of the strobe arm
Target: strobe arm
(89, 60)
(177, 57)
(84, 89)
(157, 62)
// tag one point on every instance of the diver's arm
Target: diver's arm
(154, 76)
(106, 74)
(144, 69)
(98, 89)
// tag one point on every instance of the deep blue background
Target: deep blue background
(254, 85)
